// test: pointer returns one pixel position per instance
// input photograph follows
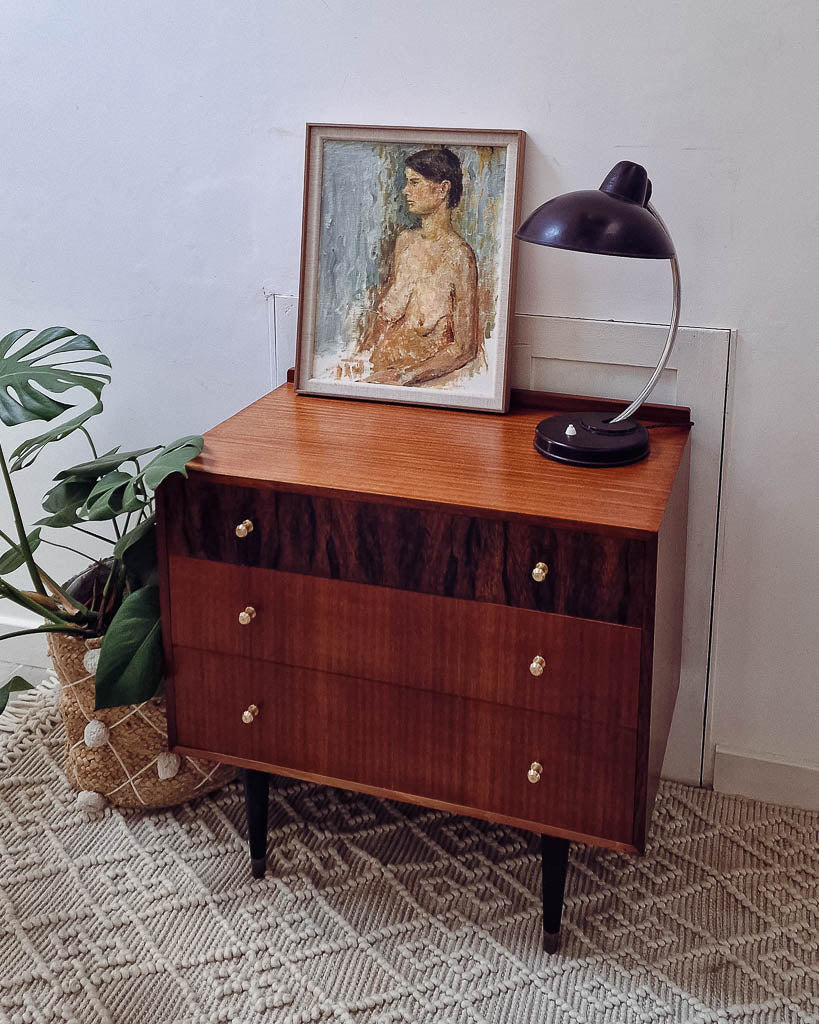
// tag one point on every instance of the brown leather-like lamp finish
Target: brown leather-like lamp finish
(613, 220)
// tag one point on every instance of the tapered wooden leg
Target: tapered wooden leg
(256, 793)
(554, 854)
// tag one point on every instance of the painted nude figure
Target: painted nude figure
(426, 318)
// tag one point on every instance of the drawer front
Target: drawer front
(472, 649)
(590, 575)
(463, 752)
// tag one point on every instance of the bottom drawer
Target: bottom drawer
(470, 754)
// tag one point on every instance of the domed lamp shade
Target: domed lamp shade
(615, 220)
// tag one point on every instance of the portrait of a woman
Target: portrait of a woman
(426, 319)
(407, 257)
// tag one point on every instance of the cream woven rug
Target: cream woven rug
(375, 912)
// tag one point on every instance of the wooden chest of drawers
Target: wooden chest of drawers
(418, 605)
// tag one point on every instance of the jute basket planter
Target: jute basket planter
(120, 755)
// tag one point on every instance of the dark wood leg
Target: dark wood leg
(554, 854)
(256, 792)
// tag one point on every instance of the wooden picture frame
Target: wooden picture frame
(408, 264)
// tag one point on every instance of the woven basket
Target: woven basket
(120, 755)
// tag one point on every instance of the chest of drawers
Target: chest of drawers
(413, 603)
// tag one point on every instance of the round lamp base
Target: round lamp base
(588, 439)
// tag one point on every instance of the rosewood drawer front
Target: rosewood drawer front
(422, 746)
(430, 551)
(552, 663)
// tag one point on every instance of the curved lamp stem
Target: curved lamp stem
(669, 341)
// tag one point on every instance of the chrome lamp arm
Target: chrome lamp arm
(669, 341)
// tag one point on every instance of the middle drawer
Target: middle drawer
(554, 663)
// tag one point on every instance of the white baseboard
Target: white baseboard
(23, 650)
(766, 777)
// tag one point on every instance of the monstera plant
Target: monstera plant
(115, 596)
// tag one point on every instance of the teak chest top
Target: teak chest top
(455, 460)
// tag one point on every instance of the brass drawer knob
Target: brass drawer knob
(535, 771)
(244, 528)
(251, 713)
(538, 665)
(247, 616)
(540, 572)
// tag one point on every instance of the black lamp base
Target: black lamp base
(589, 439)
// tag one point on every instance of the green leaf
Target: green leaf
(15, 685)
(131, 660)
(64, 501)
(104, 464)
(10, 339)
(14, 557)
(107, 483)
(30, 377)
(66, 517)
(134, 497)
(172, 459)
(137, 550)
(67, 494)
(26, 454)
(105, 499)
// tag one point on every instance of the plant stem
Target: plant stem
(90, 533)
(21, 530)
(88, 438)
(114, 571)
(4, 536)
(13, 594)
(40, 629)
(66, 547)
(68, 599)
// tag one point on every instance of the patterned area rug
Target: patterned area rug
(375, 912)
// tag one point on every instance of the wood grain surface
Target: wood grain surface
(461, 752)
(661, 679)
(466, 648)
(592, 575)
(390, 565)
(455, 460)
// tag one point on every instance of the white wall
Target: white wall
(151, 186)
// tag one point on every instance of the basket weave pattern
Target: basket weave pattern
(125, 767)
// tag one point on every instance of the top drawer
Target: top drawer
(589, 575)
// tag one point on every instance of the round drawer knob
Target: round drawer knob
(540, 572)
(538, 665)
(249, 715)
(244, 528)
(535, 771)
(247, 616)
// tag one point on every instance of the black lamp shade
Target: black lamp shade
(611, 221)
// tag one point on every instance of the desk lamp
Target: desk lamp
(615, 220)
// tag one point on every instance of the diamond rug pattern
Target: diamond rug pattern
(375, 912)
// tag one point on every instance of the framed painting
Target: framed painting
(408, 264)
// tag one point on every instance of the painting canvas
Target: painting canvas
(407, 264)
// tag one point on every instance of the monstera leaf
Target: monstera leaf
(64, 502)
(137, 551)
(14, 685)
(131, 662)
(34, 373)
(172, 459)
(26, 454)
(15, 556)
(104, 464)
